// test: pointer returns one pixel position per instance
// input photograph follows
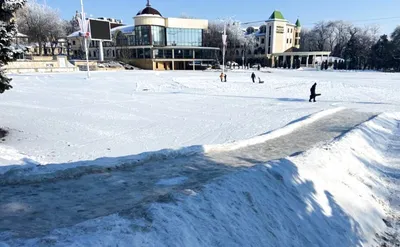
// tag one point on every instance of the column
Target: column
(307, 61)
(314, 58)
(194, 57)
(328, 59)
(272, 62)
(291, 61)
(173, 59)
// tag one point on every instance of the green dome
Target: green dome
(277, 15)
(298, 23)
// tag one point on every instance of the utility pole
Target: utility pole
(85, 32)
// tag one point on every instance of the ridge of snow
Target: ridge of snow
(23, 174)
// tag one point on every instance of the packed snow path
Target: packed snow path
(33, 210)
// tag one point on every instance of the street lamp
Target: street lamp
(84, 29)
(224, 38)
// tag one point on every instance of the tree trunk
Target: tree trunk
(40, 48)
(44, 48)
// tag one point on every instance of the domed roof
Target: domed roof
(149, 10)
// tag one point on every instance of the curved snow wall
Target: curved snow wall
(332, 195)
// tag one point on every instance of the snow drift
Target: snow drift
(332, 195)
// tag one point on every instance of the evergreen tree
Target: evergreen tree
(298, 63)
(335, 65)
(8, 29)
(352, 52)
(322, 66)
(326, 65)
(382, 54)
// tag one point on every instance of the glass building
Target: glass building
(156, 42)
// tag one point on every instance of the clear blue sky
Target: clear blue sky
(309, 11)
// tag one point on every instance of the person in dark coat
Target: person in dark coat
(253, 77)
(225, 77)
(313, 94)
(258, 67)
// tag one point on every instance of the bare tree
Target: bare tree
(72, 25)
(332, 37)
(41, 23)
(322, 33)
(236, 37)
(342, 37)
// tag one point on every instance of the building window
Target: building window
(269, 50)
(288, 30)
(73, 42)
(290, 41)
(94, 54)
(184, 37)
(121, 39)
(270, 30)
(90, 54)
(158, 35)
(262, 41)
(140, 53)
(287, 41)
(113, 53)
(142, 35)
(269, 40)
(147, 53)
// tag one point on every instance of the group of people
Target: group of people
(223, 77)
(313, 94)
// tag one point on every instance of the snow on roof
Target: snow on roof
(74, 34)
(123, 29)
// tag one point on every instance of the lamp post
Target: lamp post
(224, 38)
(85, 32)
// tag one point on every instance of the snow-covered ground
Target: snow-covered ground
(336, 194)
(63, 118)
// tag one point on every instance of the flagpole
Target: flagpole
(84, 30)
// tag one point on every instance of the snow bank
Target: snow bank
(332, 195)
(51, 172)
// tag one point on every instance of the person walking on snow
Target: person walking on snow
(221, 76)
(253, 77)
(313, 94)
(225, 77)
